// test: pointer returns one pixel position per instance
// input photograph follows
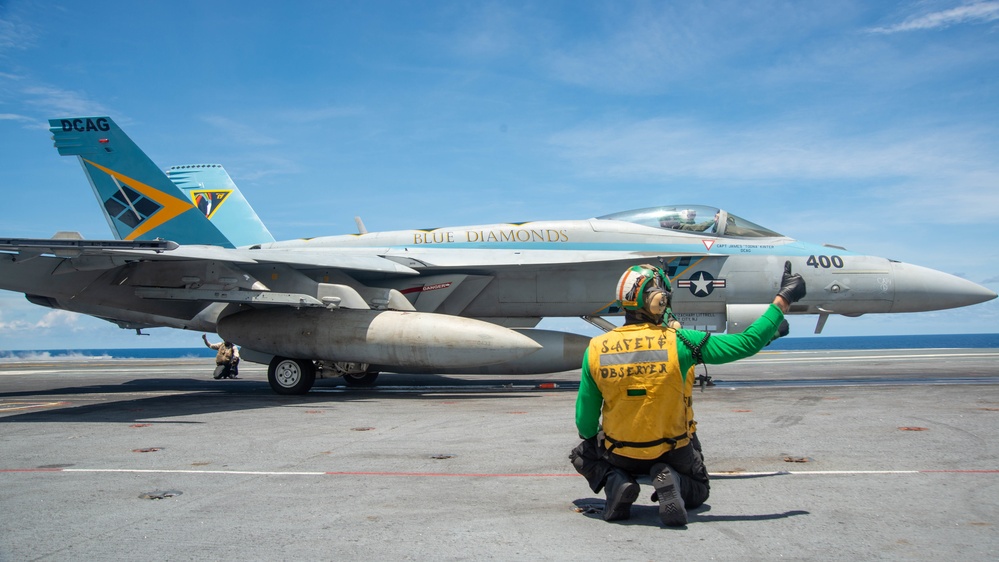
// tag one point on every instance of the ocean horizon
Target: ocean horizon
(923, 341)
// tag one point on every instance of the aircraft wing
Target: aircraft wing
(465, 259)
(360, 260)
(363, 260)
(165, 250)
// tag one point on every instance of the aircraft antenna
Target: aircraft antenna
(360, 226)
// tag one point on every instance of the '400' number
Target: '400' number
(825, 262)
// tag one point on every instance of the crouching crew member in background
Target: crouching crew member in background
(639, 379)
(226, 360)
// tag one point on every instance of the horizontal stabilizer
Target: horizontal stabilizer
(52, 245)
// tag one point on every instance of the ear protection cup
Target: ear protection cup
(657, 303)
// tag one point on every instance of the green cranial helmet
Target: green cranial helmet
(639, 283)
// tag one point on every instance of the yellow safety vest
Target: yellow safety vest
(647, 408)
(224, 355)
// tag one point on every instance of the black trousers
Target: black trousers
(593, 461)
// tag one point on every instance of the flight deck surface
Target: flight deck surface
(844, 455)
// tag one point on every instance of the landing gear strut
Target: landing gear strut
(354, 374)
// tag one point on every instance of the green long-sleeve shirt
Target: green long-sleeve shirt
(720, 348)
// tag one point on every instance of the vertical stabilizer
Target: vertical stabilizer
(217, 197)
(138, 200)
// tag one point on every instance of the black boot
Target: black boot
(672, 511)
(622, 491)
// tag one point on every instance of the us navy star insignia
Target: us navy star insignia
(701, 284)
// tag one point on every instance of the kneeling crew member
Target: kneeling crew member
(228, 355)
(639, 378)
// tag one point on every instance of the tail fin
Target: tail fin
(139, 201)
(217, 197)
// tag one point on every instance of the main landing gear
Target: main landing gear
(296, 376)
(291, 376)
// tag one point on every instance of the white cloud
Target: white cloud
(944, 173)
(311, 115)
(240, 132)
(58, 319)
(490, 30)
(16, 117)
(33, 99)
(975, 13)
(61, 102)
(53, 319)
(640, 52)
(15, 34)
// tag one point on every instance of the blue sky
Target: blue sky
(869, 125)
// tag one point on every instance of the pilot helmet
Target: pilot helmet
(688, 215)
(670, 219)
(640, 287)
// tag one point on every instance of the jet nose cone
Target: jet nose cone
(918, 289)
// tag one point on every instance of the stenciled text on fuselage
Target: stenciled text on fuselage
(491, 236)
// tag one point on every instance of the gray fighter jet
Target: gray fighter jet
(190, 253)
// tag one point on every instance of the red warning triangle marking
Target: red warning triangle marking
(708, 244)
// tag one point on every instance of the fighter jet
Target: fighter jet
(190, 253)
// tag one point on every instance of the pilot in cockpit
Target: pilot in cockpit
(684, 220)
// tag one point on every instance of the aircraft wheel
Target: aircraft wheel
(361, 379)
(291, 376)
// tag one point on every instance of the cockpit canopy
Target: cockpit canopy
(694, 218)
